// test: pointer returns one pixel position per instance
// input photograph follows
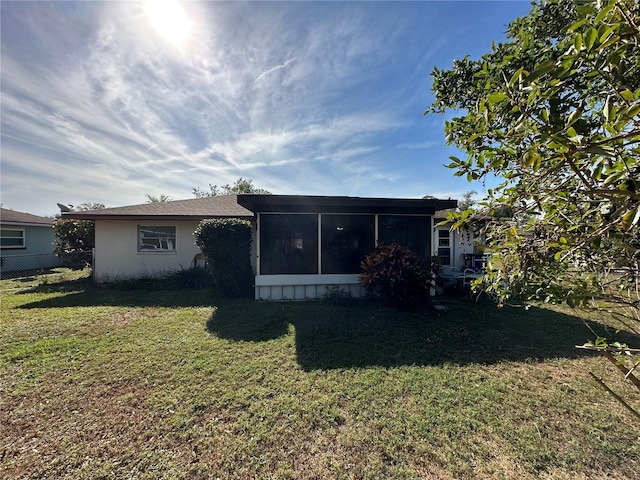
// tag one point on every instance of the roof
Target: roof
(442, 214)
(323, 204)
(191, 209)
(13, 217)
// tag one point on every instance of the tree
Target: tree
(76, 238)
(467, 201)
(157, 199)
(240, 186)
(555, 112)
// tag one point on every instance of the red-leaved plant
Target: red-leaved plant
(396, 275)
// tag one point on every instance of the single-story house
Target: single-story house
(26, 241)
(301, 244)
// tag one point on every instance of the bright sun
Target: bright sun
(170, 20)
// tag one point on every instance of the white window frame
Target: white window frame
(164, 245)
(23, 237)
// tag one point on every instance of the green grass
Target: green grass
(110, 383)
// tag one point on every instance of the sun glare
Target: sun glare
(170, 20)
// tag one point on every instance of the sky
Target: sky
(105, 102)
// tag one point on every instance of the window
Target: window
(12, 238)
(288, 244)
(411, 231)
(444, 246)
(346, 240)
(156, 238)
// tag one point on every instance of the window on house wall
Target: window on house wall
(12, 238)
(346, 240)
(152, 238)
(288, 244)
(444, 246)
(411, 231)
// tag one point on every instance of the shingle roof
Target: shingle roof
(19, 218)
(191, 209)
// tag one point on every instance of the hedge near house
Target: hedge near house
(227, 245)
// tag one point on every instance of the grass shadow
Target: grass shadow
(94, 296)
(363, 335)
(250, 321)
(471, 332)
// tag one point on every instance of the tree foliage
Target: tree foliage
(227, 245)
(555, 112)
(75, 236)
(158, 198)
(241, 185)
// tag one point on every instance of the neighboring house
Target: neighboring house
(26, 241)
(302, 244)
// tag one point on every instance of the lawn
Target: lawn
(99, 382)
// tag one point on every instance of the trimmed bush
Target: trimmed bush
(395, 275)
(227, 245)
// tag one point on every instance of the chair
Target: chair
(468, 276)
(449, 276)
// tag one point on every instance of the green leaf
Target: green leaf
(575, 115)
(603, 12)
(606, 110)
(576, 25)
(590, 38)
(516, 76)
(577, 42)
(627, 95)
(544, 67)
(496, 97)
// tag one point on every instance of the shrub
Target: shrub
(396, 275)
(227, 245)
(194, 277)
(337, 297)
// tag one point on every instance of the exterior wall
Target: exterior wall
(117, 256)
(462, 245)
(38, 252)
(303, 287)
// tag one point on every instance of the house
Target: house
(26, 242)
(452, 247)
(153, 238)
(301, 244)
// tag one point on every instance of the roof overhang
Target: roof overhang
(88, 215)
(25, 224)
(326, 204)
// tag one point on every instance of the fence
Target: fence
(12, 266)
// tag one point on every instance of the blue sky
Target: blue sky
(108, 101)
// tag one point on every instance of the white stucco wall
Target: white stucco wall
(117, 256)
(463, 244)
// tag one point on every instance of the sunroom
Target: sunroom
(306, 244)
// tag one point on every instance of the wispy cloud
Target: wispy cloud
(307, 97)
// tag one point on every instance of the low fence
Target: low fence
(12, 266)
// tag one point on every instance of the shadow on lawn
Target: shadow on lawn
(78, 295)
(365, 335)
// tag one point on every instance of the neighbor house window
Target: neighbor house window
(288, 244)
(12, 238)
(346, 240)
(156, 238)
(408, 230)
